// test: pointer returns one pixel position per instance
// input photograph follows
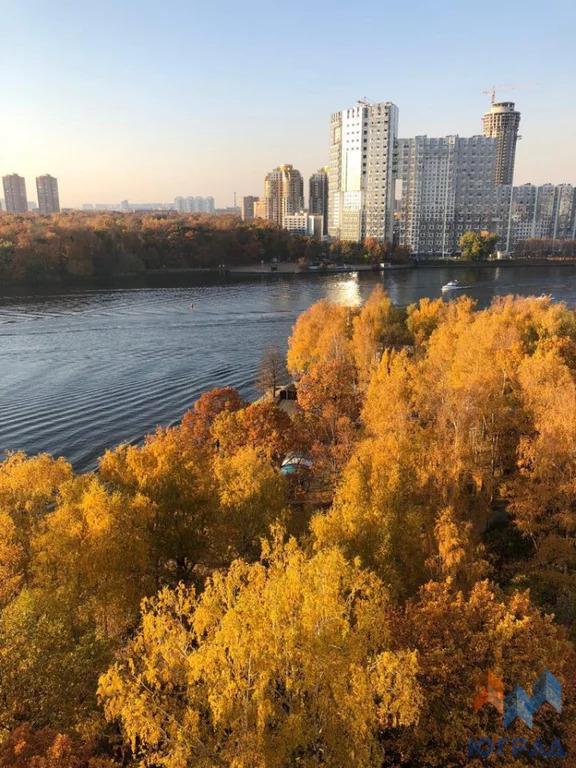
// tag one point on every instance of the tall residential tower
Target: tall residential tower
(15, 193)
(361, 178)
(501, 123)
(318, 196)
(283, 193)
(47, 188)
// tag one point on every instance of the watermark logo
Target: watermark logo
(517, 704)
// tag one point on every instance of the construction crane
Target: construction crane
(492, 91)
(364, 100)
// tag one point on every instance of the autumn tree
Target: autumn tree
(49, 664)
(271, 370)
(29, 488)
(459, 637)
(95, 554)
(541, 494)
(327, 421)
(261, 425)
(320, 335)
(172, 476)
(46, 748)
(197, 423)
(378, 326)
(252, 496)
(297, 648)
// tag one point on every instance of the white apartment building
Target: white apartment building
(304, 223)
(360, 176)
(546, 211)
(447, 188)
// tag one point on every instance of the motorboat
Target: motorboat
(452, 285)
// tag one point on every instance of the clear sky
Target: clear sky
(151, 99)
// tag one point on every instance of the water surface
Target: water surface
(83, 369)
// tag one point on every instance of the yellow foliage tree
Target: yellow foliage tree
(174, 477)
(459, 638)
(320, 334)
(252, 497)
(284, 662)
(378, 326)
(29, 488)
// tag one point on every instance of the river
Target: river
(84, 369)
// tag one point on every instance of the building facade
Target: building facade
(15, 193)
(247, 207)
(447, 188)
(360, 176)
(48, 198)
(283, 193)
(305, 223)
(318, 195)
(547, 211)
(260, 208)
(501, 123)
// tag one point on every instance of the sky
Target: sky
(146, 100)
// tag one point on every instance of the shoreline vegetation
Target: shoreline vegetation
(76, 246)
(194, 602)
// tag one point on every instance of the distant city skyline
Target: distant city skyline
(115, 114)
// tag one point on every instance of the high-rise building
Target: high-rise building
(199, 204)
(260, 208)
(547, 211)
(48, 199)
(180, 205)
(15, 193)
(318, 195)
(361, 178)
(283, 193)
(447, 189)
(209, 205)
(247, 208)
(501, 123)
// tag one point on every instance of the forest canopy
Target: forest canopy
(69, 245)
(191, 604)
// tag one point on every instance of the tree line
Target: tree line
(73, 245)
(189, 604)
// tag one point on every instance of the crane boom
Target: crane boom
(495, 88)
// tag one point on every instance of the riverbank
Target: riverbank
(289, 268)
(456, 264)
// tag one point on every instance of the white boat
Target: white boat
(452, 285)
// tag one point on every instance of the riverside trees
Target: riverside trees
(177, 609)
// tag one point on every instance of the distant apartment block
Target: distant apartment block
(283, 193)
(15, 193)
(361, 178)
(48, 199)
(318, 195)
(260, 208)
(501, 123)
(546, 211)
(447, 188)
(247, 207)
(194, 204)
(305, 223)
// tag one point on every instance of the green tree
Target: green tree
(477, 246)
